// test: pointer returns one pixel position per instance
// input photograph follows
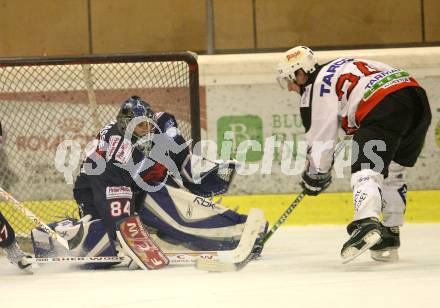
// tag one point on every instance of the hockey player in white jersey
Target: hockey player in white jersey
(388, 114)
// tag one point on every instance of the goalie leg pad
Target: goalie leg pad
(194, 221)
(137, 243)
(95, 241)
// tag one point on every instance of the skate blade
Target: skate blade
(352, 252)
(385, 255)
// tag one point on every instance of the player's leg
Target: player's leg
(84, 200)
(378, 140)
(7, 234)
(7, 241)
(110, 202)
(394, 190)
(393, 209)
(94, 242)
(106, 206)
(365, 229)
(114, 205)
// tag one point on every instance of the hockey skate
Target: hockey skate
(386, 250)
(364, 234)
(17, 256)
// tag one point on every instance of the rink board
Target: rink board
(328, 208)
(332, 208)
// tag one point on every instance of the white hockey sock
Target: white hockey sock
(366, 185)
(394, 195)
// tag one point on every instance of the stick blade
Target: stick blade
(237, 258)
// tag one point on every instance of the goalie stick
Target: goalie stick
(252, 227)
(239, 265)
(68, 244)
(176, 258)
(231, 260)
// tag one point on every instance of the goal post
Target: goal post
(47, 100)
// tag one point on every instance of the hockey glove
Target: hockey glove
(315, 183)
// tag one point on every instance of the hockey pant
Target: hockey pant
(7, 235)
(110, 203)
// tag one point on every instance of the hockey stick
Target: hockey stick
(68, 244)
(340, 146)
(283, 217)
(176, 258)
(218, 266)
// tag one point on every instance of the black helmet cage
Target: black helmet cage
(132, 108)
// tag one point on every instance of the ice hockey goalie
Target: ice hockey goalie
(141, 169)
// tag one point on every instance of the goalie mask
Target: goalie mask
(136, 116)
(300, 57)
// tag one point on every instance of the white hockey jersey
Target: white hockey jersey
(343, 92)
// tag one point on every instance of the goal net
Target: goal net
(45, 101)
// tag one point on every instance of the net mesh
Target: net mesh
(44, 104)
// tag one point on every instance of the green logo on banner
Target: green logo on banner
(232, 131)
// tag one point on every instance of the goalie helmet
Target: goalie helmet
(133, 108)
(300, 57)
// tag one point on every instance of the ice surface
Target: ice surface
(300, 267)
